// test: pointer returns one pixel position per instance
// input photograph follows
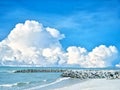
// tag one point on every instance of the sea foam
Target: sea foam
(14, 84)
(52, 83)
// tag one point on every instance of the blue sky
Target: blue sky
(85, 23)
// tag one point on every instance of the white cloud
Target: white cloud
(55, 33)
(118, 65)
(32, 44)
(101, 56)
(76, 55)
(26, 42)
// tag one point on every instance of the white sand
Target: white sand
(95, 84)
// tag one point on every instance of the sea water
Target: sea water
(29, 81)
(32, 81)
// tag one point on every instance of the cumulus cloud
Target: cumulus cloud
(100, 56)
(33, 44)
(26, 43)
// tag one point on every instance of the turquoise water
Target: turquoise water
(19, 81)
(31, 81)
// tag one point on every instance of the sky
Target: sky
(80, 27)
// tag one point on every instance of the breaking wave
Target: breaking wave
(15, 84)
(45, 85)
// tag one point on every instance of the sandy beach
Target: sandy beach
(95, 84)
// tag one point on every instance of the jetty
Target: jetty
(39, 70)
(80, 74)
(92, 74)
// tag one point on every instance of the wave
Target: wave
(7, 71)
(22, 83)
(10, 71)
(7, 85)
(44, 80)
(45, 85)
(15, 84)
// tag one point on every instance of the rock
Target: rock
(37, 70)
(92, 74)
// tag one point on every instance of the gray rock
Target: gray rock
(92, 74)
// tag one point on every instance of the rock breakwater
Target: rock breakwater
(92, 74)
(37, 70)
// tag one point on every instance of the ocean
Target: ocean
(33, 81)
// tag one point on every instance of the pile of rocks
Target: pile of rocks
(92, 74)
(38, 70)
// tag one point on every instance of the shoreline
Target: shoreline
(67, 83)
(61, 82)
(94, 84)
